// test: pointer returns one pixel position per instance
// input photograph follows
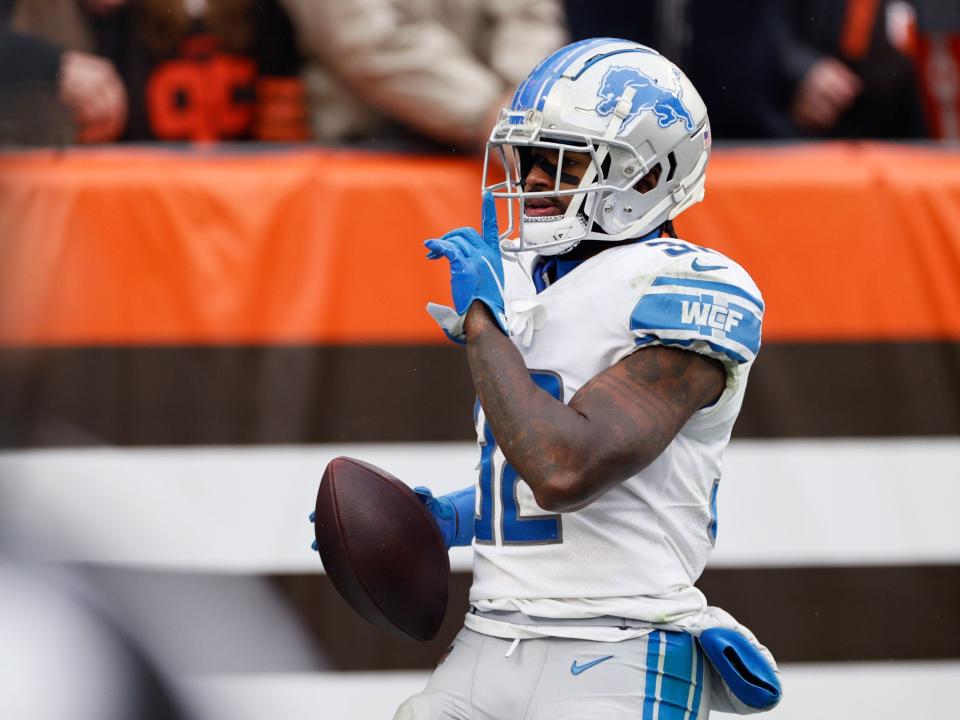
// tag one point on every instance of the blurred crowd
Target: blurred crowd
(434, 73)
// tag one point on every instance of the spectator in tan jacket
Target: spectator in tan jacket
(439, 68)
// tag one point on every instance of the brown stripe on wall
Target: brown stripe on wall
(313, 394)
(233, 395)
(853, 390)
(809, 614)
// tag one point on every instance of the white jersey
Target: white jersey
(636, 551)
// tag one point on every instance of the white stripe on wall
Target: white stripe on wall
(236, 509)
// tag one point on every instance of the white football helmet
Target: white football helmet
(629, 109)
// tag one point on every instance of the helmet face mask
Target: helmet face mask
(628, 109)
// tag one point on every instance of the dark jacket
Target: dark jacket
(729, 50)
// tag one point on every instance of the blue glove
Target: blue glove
(453, 514)
(745, 677)
(748, 676)
(313, 545)
(476, 272)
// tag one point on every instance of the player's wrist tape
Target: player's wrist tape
(452, 323)
(748, 675)
(449, 321)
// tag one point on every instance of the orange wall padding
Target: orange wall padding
(146, 246)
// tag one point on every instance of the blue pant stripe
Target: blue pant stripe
(653, 663)
(677, 674)
(698, 692)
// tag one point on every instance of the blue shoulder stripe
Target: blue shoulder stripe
(710, 285)
(719, 349)
(731, 328)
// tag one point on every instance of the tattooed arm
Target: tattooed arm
(617, 424)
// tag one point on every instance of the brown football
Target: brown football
(381, 548)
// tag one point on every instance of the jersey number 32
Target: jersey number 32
(515, 529)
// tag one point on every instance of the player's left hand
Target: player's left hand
(476, 272)
(453, 514)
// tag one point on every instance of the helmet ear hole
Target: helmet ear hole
(649, 181)
(672, 159)
(605, 167)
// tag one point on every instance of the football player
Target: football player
(610, 361)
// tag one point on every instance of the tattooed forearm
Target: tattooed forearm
(618, 423)
(536, 433)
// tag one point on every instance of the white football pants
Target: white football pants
(660, 676)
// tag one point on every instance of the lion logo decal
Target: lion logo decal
(648, 95)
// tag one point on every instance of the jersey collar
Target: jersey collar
(547, 270)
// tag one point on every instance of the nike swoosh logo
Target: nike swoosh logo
(577, 669)
(704, 268)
